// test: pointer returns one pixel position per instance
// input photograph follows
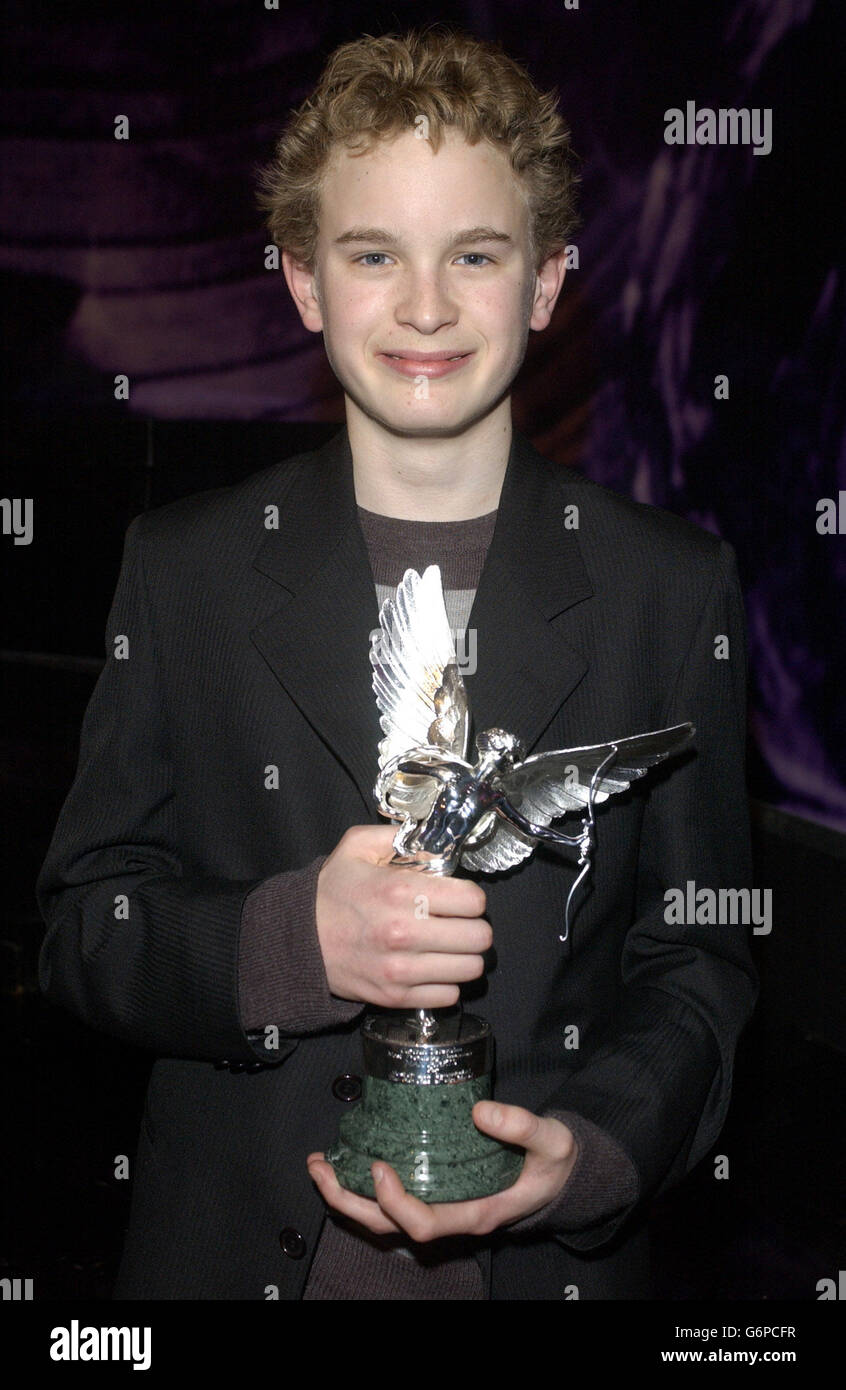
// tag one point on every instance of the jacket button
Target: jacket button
(346, 1087)
(255, 1066)
(293, 1244)
(237, 1067)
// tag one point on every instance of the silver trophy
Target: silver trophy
(486, 816)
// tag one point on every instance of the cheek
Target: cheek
(352, 318)
(502, 314)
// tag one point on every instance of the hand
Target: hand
(551, 1151)
(395, 936)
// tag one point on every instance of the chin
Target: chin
(411, 421)
(409, 427)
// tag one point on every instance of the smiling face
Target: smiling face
(424, 286)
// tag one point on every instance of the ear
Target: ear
(302, 283)
(548, 284)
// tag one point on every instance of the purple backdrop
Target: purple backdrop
(145, 256)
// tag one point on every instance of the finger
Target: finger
(361, 1209)
(425, 1223)
(383, 845)
(444, 901)
(422, 1221)
(428, 997)
(432, 968)
(448, 936)
(453, 936)
(443, 896)
(400, 1211)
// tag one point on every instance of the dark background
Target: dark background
(146, 257)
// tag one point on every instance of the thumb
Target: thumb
(376, 842)
(511, 1124)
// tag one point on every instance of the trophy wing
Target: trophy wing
(501, 845)
(416, 680)
(549, 785)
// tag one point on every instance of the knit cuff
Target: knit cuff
(281, 975)
(603, 1185)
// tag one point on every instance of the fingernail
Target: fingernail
(378, 1173)
(496, 1116)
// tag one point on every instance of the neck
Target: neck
(430, 478)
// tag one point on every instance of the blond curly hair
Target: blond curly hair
(376, 87)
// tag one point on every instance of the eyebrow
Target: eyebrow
(388, 238)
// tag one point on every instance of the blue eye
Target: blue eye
(377, 259)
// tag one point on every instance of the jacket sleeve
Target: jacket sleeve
(134, 947)
(658, 1079)
(282, 978)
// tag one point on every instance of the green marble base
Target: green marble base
(427, 1134)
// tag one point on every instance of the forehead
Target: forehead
(403, 184)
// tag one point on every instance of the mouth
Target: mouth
(443, 356)
(425, 363)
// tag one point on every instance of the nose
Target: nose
(425, 303)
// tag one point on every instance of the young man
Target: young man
(219, 877)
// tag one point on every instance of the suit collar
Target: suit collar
(318, 642)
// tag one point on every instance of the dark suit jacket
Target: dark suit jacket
(249, 649)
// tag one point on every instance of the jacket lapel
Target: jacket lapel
(318, 642)
(533, 572)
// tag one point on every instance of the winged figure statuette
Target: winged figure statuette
(489, 814)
